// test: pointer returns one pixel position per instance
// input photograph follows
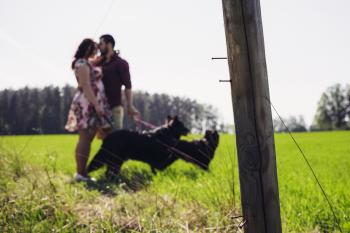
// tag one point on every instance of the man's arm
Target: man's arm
(128, 96)
(132, 111)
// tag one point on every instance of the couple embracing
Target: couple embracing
(97, 105)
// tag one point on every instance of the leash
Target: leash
(145, 123)
(138, 121)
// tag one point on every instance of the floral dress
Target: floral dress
(82, 114)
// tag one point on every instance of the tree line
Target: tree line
(333, 113)
(44, 110)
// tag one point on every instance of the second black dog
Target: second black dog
(199, 152)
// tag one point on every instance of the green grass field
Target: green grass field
(37, 193)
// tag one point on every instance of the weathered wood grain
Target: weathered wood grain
(252, 114)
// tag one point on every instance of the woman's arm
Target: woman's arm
(83, 74)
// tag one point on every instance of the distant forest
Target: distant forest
(333, 113)
(44, 110)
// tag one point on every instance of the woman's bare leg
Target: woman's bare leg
(82, 151)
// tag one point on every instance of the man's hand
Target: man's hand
(133, 112)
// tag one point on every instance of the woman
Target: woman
(89, 110)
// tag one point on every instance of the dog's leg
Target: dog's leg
(97, 162)
(154, 171)
(113, 172)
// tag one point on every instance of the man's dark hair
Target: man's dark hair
(108, 39)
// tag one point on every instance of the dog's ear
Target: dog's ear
(186, 131)
(208, 133)
(168, 120)
(175, 118)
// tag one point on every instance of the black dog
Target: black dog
(151, 148)
(198, 152)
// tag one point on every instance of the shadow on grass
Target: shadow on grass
(189, 172)
(129, 180)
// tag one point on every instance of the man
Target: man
(115, 75)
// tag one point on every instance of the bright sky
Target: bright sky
(169, 45)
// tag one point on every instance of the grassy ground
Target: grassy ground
(37, 192)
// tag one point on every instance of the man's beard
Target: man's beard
(103, 52)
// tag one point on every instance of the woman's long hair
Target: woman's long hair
(85, 49)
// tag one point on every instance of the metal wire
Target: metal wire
(309, 165)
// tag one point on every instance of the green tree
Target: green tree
(67, 94)
(51, 111)
(4, 116)
(333, 109)
(34, 116)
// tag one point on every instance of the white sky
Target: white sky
(169, 45)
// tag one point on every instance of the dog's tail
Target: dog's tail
(97, 162)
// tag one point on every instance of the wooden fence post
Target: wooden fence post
(252, 114)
